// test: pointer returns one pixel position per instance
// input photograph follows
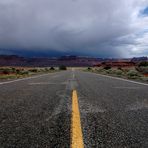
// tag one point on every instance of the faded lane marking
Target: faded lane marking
(76, 130)
(73, 75)
(42, 83)
(138, 105)
(87, 107)
(45, 83)
(56, 76)
(126, 87)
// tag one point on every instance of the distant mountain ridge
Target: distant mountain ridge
(70, 60)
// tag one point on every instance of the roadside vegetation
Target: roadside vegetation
(139, 72)
(21, 72)
(62, 67)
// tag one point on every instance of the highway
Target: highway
(73, 109)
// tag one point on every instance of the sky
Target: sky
(100, 28)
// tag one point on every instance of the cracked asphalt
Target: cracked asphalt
(36, 112)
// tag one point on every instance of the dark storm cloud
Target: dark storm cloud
(99, 27)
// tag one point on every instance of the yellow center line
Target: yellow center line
(76, 131)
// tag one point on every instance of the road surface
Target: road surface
(40, 112)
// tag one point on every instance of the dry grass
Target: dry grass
(127, 73)
(21, 72)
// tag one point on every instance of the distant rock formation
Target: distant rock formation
(139, 59)
(70, 60)
(14, 60)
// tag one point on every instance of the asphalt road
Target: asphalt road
(36, 112)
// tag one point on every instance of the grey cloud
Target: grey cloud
(92, 26)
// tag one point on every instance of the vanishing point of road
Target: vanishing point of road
(73, 109)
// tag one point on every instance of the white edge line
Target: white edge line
(2, 83)
(121, 79)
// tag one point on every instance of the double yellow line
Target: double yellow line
(76, 130)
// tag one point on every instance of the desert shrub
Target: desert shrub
(40, 70)
(62, 67)
(138, 68)
(52, 68)
(103, 63)
(109, 71)
(125, 70)
(18, 71)
(107, 67)
(118, 72)
(8, 76)
(114, 71)
(98, 69)
(6, 71)
(33, 70)
(144, 63)
(46, 69)
(101, 70)
(119, 68)
(13, 69)
(24, 72)
(142, 69)
(89, 68)
(145, 79)
(133, 74)
(145, 70)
